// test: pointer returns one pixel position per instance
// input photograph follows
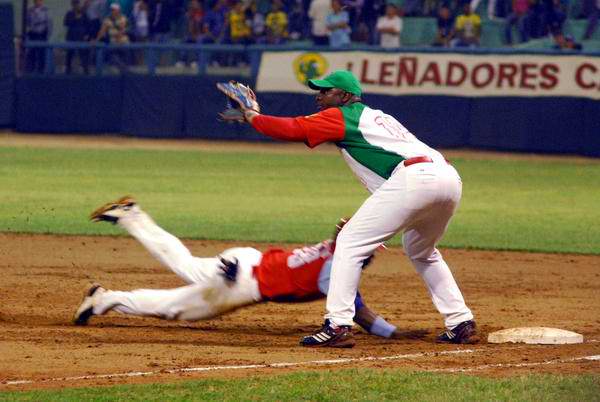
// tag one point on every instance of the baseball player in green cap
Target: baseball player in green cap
(414, 191)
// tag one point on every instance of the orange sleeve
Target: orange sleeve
(325, 126)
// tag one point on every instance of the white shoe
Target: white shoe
(86, 308)
(113, 211)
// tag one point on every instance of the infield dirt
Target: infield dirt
(44, 277)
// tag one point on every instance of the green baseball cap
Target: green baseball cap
(341, 79)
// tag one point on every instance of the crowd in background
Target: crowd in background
(334, 23)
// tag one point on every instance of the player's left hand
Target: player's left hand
(229, 268)
(241, 101)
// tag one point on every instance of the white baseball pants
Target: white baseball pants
(419, 201)
(207, 294)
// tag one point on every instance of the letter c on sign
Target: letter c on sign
(579, 75)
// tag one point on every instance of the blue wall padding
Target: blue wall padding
(7, 65)
(69, 104)
(187, 107)
(590, 137)
(279, 104)
(440, 120)
(202, 103)
(528, 124)
(152, 107)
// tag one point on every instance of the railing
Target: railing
(203, 53)
(151, 54)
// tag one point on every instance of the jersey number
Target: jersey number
(307, 255)
(393, 127)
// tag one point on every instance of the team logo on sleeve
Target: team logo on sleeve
(308, 66)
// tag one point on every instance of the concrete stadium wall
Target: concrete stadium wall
(186, 107)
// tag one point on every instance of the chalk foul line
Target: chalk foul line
(314, 362)
(242, 367)
(514, 365)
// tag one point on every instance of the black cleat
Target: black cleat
(333, 337)
(465, 332)
(86, 308)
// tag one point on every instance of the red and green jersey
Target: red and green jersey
(372, 143)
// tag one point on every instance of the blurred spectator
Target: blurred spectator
(194, 17)
(277, 24)
(95, 11)
(519, 16)
(537, 26)
(467, 28)
(359, 30)
(179, 17)
(445, 27)
(296, 20)
(141, 21)
(389, 27)
(39, 28)
(114, 30)
(239, 32)
(214, 29)
(363, 34)
(318, 12)
(593, 11)
(78, 28)
(566, 42)
(239, 29)
(371, 11)
(214, 26)
(114, 27)
(337, 24)
(257, 25)
(554, 16)
(160, 20)
(141, 27)
(354, 10)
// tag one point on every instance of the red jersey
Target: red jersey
(292, 275)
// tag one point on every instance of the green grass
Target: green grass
(355, 384)
(254, 196)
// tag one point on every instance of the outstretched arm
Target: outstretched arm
(327, 125)
(313, 130)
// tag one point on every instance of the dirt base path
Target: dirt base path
(43, 278)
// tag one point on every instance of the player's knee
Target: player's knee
(346, 240)
(425, 256)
